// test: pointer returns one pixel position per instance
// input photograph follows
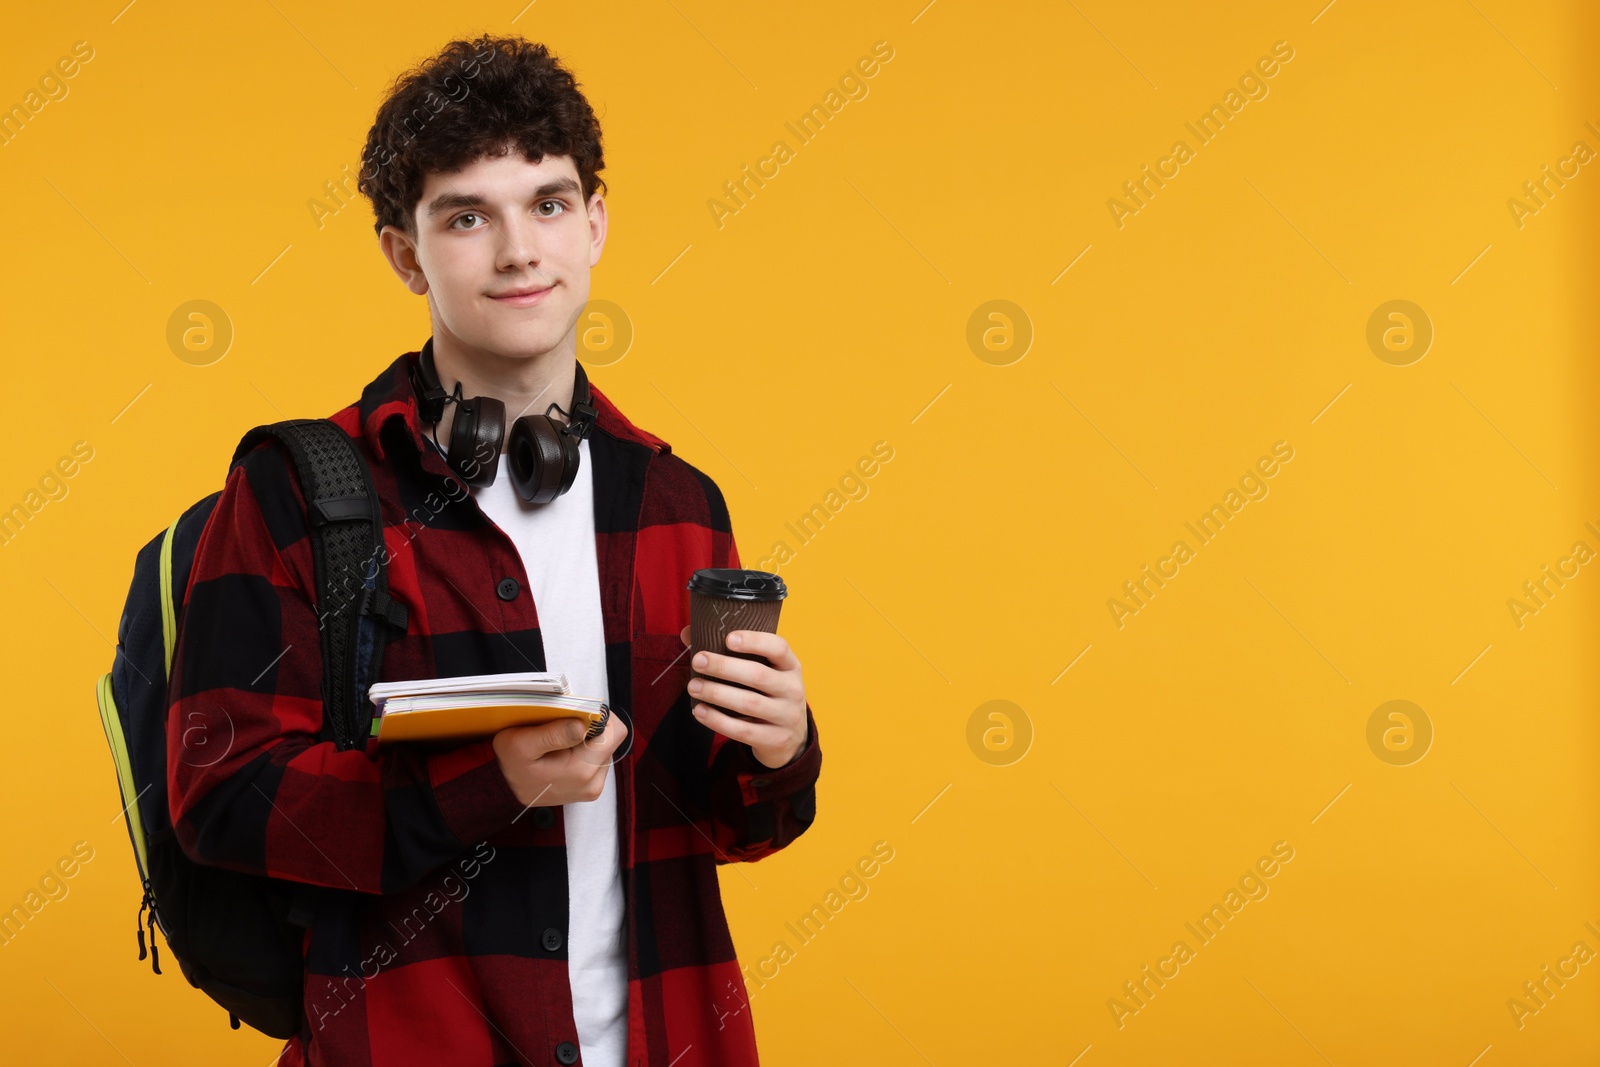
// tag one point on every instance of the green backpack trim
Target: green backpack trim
(111, 719)
(169, 615)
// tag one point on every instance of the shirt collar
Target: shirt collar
(389, 417)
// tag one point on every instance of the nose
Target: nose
(518, 245)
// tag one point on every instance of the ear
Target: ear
(400, 249)
(597, 228)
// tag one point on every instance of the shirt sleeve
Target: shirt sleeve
(755, 809)
(251, 786)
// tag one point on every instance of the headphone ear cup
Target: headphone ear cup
(538, 460)
(475, 436)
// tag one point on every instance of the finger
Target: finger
(771, 647)
(749, 672)
(614, 734)
(587, 772)
(542, 738)
(683, 635)
(745, 702)
(755, 734)
(598, 751)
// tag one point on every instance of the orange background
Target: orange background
(1042, 859)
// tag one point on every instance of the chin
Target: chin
(533, 340)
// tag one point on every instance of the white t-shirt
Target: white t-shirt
(556, 542)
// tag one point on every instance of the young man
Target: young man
(530, 898)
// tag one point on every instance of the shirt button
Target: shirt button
(544, 818)
(507, 589)
(552, 939)
(567, 1052)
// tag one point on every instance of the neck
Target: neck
(527, 385)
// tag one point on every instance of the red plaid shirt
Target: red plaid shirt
(442, 936)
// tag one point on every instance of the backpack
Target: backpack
(240, 937)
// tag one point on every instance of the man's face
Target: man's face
(496, 228)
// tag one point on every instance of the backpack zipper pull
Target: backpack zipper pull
(155, 957)
(138, 924)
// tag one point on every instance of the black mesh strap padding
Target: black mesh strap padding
(352, 583)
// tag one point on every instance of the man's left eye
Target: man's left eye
(557, 203)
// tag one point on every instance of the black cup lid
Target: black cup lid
(737, 584)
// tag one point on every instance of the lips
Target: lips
(523, 297)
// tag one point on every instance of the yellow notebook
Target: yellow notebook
(472, 706)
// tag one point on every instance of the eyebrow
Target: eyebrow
(451, 201)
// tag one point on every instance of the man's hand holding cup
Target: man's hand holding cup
(771, 710)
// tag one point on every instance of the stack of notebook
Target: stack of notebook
(477, 705)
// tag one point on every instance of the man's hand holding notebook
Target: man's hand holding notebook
(554, 748)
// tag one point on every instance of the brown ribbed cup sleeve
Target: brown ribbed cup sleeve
(711, 619)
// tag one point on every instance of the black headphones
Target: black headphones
(544, 453)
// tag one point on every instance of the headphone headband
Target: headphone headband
(583, 412)
(432, 398)
(431, 395)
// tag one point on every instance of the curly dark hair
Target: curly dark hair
(472, 100)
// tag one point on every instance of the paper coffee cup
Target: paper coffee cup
(724, 599)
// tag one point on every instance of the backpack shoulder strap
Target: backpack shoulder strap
(354, 608)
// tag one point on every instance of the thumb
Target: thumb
(557, 734)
